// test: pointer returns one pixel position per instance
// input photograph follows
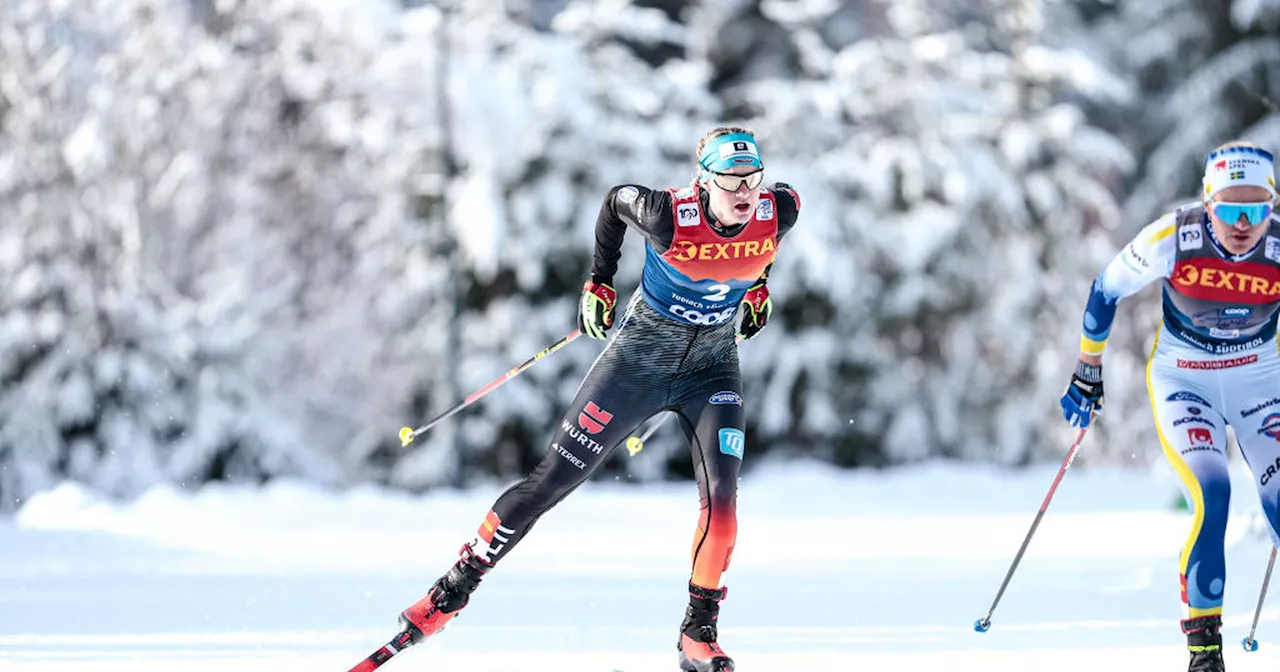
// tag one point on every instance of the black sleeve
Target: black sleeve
(788, 206)
(644, 209)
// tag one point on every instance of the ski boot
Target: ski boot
(1204, 640)
(699, 651)
(446, 598)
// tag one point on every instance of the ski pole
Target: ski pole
(984, 624)
(1249, 643)
(407, 435)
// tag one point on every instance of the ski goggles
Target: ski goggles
(1230, 213)
(731, 182)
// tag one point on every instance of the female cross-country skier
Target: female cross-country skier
(709, 247)
(1215, 361)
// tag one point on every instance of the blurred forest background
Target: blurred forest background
(248, 239)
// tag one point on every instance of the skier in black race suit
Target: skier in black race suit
(708, 250)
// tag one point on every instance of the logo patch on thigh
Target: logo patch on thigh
(1191, 397)
(732, 442)
(726, 397)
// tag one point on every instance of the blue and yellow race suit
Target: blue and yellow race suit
(1215, 363)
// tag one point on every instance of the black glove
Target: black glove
(595, 309)
(1083, 398)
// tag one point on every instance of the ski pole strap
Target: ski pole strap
(1089, 373)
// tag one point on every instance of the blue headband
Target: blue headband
(726, 151)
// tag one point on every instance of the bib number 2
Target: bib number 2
(719, 292)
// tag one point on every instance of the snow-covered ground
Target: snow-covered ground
(835, 571)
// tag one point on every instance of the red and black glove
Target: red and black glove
(755, 307)
(595, 310)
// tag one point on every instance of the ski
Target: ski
(402, 641)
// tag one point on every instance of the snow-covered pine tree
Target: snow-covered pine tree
(210, 213)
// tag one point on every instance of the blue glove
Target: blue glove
(1083, 398)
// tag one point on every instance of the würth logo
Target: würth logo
(593, 418)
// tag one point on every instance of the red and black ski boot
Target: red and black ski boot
(447, 597)
(699, 650)
(1204, 641)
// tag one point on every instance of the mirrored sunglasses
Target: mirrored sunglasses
(1230, 213)
(731, 182)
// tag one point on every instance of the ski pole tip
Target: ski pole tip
(1249, 644)
(406, 436)
(634, 445)
(982, 625)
